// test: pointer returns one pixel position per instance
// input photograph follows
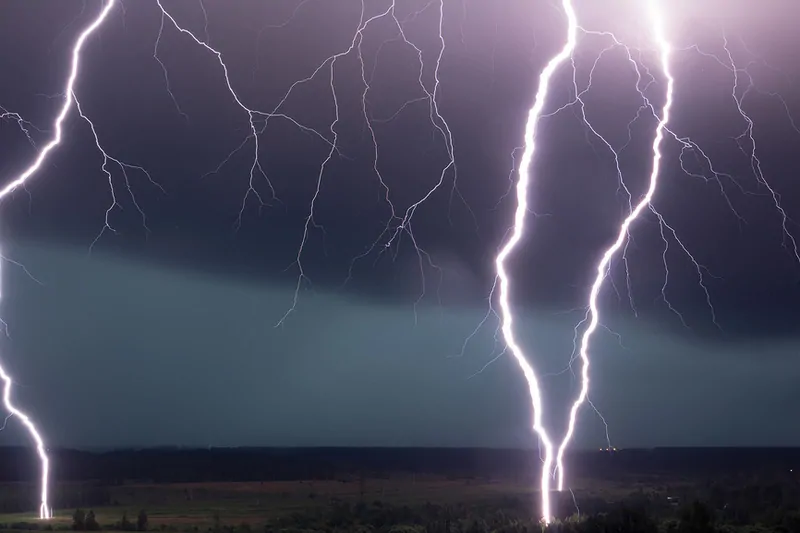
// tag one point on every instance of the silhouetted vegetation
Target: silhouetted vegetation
(381, 517)
(125, 524)
(79, 520)
(473, 492)
(83, 521)
(91, 522)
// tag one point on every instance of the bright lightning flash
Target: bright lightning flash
(605, 262)
(44, 507)
(69, 102)
(603, 265)
(516, 235)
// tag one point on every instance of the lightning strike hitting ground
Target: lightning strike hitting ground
(44, 507)
(69, 99)
(517, 232)
(13, 411)
(605, 261)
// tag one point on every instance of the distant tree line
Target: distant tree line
(86, 521)
(257, 464)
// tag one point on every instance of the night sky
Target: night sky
(130, 331)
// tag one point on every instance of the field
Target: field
(196, 504)
(207, 506)
(475, 496)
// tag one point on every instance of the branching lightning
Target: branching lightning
(428, 87)
(517, 232)
(523, 182)
(591, 321)
(605, 261)
(397, 223)
(69, 100)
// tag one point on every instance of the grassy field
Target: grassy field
(185, 506)
(641, 488)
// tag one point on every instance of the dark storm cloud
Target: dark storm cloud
(194, 298)
(110, 353)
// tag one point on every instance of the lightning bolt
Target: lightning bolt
(603, 265)
(518, 228)
(592, 319)
(69, 102)
(747, 145)
(44, 507)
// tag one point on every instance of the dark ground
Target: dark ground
(169, 465)
(403, 489)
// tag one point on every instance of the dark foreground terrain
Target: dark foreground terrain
(404, 490)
